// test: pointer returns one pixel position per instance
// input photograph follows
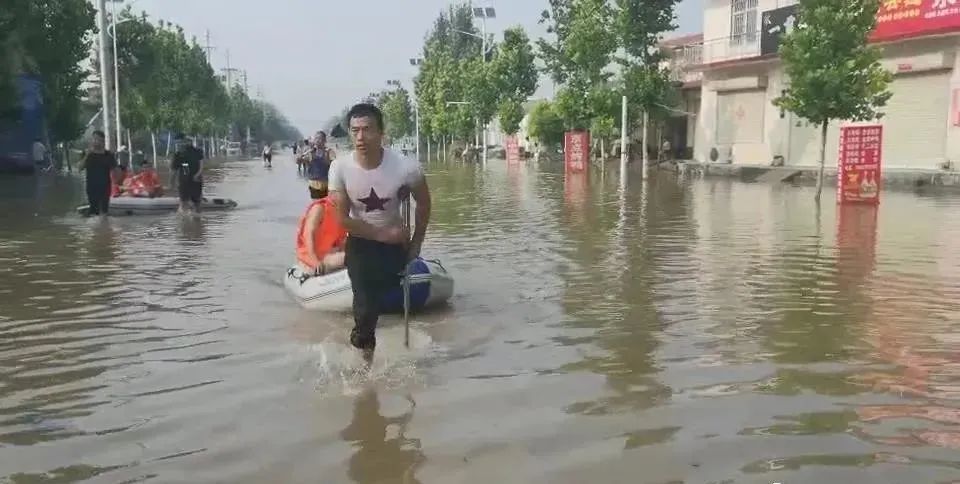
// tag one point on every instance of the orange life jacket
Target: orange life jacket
(329, 235)
(144, 184)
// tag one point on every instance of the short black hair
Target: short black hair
(366, 110)
(99, 133)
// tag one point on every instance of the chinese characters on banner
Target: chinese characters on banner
(576, 151)
(513, 150)
(858, 166)
(907, 18)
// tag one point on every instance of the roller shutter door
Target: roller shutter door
(740, 116)
(915, 121)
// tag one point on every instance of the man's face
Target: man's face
(97, 142)
(321, 141)
(366, 134)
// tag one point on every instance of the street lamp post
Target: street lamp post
(104, 73)
(483, 13)
(116, 67)
(416, 108)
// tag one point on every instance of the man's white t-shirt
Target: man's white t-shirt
(375, 194)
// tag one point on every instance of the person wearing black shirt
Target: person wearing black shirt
(99, 164)
(186, 171)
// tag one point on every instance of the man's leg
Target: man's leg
(366, 303)
(93, 199)
(183, 191)
(105, 204)
(197, 195)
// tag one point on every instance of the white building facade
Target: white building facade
(736, 121)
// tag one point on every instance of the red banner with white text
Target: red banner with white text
(576, 151)
(858, 166)
(898, 19)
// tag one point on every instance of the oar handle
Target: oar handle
(406, 277)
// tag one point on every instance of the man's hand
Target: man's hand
(414, 251)
(394, 235)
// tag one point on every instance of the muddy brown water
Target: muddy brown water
(678, 332)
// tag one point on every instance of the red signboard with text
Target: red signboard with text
(899, 19)
(858, 166)
(576, 151)
(513, 150)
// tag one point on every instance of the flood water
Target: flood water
(697, 331)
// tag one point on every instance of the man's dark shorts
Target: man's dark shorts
(190, 190)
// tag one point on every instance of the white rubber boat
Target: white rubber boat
(158, 205)
(430, 285)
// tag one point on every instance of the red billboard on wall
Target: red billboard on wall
(899, 19)
(576, 151)
(858, 166)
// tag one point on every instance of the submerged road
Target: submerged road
(683, 331)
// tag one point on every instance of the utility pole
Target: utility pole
(105, 72)
(484, 13)
(116, 71)
(209, 48)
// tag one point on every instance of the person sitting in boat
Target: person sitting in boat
(117, 179)
(145, 184)
(321, 238)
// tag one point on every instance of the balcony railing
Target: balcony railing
(682, 61)
(742, 46)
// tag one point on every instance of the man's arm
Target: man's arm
(199, 173)
(421, 194)
(356, 227)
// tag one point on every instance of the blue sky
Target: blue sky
(312, 57)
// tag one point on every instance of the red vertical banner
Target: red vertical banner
(513, 150)
(576, 151)
(859, 163)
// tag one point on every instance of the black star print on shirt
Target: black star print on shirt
(374, 202)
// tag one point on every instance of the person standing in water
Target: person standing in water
(186, 172)
(367, 188)
(100, 166)
(268, 155)
(318, 168)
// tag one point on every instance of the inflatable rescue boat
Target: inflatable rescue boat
(430, 285)
(158, 205)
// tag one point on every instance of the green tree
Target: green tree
(834, 74)
(398, 113)
(514, 76)
(584, 43)
(510, 114)
(640, 24)
(546, 125)
(449, 67)
(167, 83)
(54, 36)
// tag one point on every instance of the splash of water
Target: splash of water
(335, 368)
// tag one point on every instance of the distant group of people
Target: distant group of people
(354, 218)
(109, 177)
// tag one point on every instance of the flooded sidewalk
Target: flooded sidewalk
(685, 330)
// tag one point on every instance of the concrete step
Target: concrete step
(778, 175)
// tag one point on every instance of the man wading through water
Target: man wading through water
(186, 172)
(367, 187)
(99, 165)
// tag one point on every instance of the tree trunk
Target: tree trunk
(153, 144)
(823, 155)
